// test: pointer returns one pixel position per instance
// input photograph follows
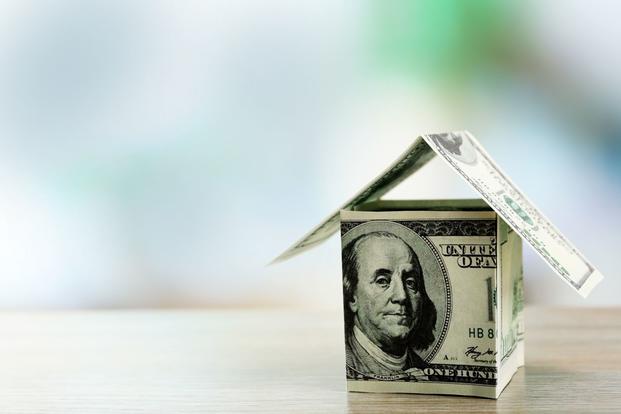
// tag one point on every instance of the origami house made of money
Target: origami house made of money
(432, 290)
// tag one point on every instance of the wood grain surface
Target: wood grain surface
(275, 361)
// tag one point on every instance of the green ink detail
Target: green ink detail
(518, 210)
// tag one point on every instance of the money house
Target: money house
(433, 289)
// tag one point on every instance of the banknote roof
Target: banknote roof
(466, 157)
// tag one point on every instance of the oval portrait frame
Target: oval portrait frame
(435, 275)
(467, 152)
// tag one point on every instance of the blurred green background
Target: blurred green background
(160, 153)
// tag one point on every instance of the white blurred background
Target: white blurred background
(161, 153)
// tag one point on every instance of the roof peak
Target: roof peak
(466, 157)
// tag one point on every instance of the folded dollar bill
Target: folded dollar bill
(432, 290)
(432, 298)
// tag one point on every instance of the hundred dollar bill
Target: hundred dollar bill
(466, 156)
(432, 299)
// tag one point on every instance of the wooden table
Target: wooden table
(271, 361)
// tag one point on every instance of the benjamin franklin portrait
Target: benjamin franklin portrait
(389, 316)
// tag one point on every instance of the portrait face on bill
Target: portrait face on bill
(387, 298)
(389, 317)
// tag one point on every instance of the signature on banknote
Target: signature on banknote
(477, 355)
